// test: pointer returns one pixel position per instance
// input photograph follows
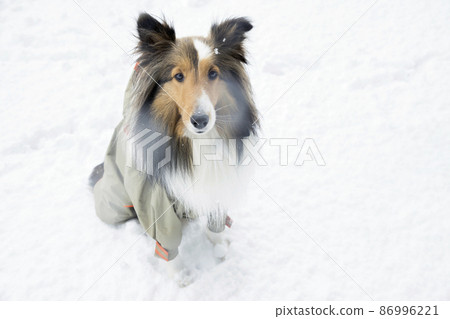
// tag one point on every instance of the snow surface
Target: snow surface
(376, 104)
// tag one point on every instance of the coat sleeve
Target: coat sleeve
(124, 192)
(153, 207)
(155, 211)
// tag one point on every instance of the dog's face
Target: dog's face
(196, 83)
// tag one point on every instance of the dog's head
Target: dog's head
(191, 85)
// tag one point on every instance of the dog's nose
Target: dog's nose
(199, 120)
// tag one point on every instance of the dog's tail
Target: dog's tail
(96, 175)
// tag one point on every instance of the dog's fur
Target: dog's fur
(164, 104)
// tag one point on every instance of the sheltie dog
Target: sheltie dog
(194, 90)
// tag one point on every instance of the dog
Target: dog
(187, 98)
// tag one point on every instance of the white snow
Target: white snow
(376, 104)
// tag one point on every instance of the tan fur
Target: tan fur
(184, 95)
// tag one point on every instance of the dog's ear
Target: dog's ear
(154, 33)
(228, 37)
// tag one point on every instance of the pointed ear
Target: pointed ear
(228, 37)
(152, 32)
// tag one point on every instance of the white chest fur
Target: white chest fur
(216, 179)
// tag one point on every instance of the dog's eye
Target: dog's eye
(212, 74)
(179, 77)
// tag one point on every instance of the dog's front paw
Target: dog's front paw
(183, 278)
(220, 242)
(177, 271)
(215, 238)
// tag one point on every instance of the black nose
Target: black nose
(199, 120)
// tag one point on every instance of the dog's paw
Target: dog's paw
(183, 278)
(215, 238)
(221, 250)
(177, 271)
(220, 242)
